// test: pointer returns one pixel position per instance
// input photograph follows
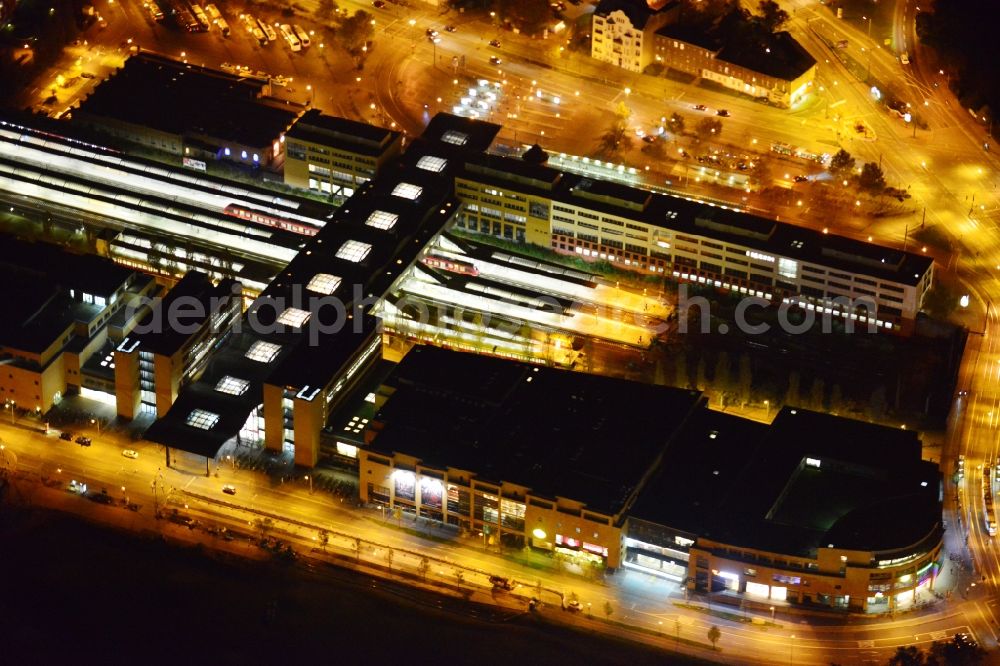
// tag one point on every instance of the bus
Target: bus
(267, 30)
(153, 10)
(215, 16)
(302, 35)
(989, 513)
(201, 17)
(289, 35)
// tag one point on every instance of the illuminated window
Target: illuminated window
(788, 268)
(456, 138)
(407, 191)
(232, 385)
(323, 283)
(431, 163)
(200, 418)
(353, 250)
(294, 317)
(382, 220)
(263, 352)
(256, 157)
(243, 154)
(228, 152)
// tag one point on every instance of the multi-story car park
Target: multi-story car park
(811, 510)
(691, 241)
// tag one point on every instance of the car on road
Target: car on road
(431, 32)
(800, 179)
(649, 138)
(700, 107)
(574, 606)
(229, 489)
(723, 113)
(130, 453)
(495, 60)
(501, 583)
(495, 43)
(378, 4)
(534, 603)
(449, 28)
(83, 441)
(68, 436)
(86, 75)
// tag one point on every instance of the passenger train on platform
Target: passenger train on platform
(450, 265)
(268, 220)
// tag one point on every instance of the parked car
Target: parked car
(723, 113)
(574, 606)
(800, 179)
(68, 436)
(495, 43)
(378, 4)
(83, 441)
(449, 28)
(495, 60)
(229, 489)
(700, 107)
(130, 453)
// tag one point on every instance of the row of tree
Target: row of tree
(735, 386)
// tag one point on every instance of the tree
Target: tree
(746, 378)
(940, 301)
(959, 651)
(792, 396)
(772, 17)
(709, 128)
(683, 377)
(264, 526)
(842, 161)
(390, 554)
(357, 548)
(425, 564)
(617, 137)
(325, 9)
(909, 655)
(714, 635)
(676, 124)
(877, 405)
(608, 609)
(872, 178)
(817, 395)
(459, 577)
(701, 380)
(723, 376)
(836, 398)
(324, 539)
(528, 15)
(355, 31)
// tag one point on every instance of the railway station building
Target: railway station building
(65, 309)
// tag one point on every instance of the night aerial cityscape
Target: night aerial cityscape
(499, 331)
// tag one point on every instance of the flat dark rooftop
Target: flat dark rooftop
(780, 56)
(171, 97)
(472, 135)
(83, 272)
(739, 482)
(194, 288)
(583, 437)
(316, 126)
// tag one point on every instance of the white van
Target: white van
(302, 35)
(289, 35)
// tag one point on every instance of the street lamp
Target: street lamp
(96, 422)
(310, 480)
(772, 614)
(869, 19)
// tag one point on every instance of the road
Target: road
(638, 599)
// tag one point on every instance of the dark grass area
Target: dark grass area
(72, 591)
